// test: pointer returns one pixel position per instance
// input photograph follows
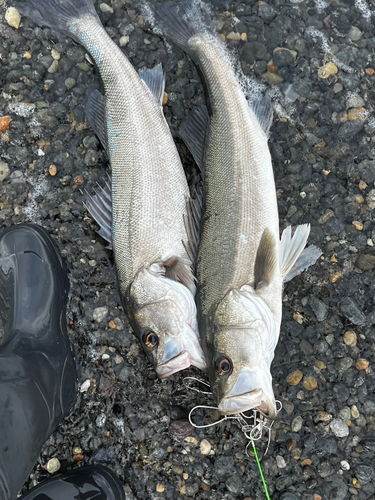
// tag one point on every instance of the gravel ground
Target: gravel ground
(322, 144)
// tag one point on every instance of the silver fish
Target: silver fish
(150, 201)
(241, 262)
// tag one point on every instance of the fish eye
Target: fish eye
(150, 339)
(223, 365)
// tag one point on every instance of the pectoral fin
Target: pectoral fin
(99, 206)
(266, 260)
(294, 259)
(96, 116)
(263, 110)
(192, 221)
(155, 80)
(178, 269)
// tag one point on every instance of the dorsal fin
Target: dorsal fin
(96, 116)
(266, 260)
(155, 80)
(263, 110)
(194, 133)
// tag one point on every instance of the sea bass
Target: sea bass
(150, 202)
(241, 261)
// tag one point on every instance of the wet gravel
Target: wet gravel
(316, 60)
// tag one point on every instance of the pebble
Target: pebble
(191, 440)
(344, 465)
(205, 447)
(280, 462)
(362, 364)
(350, 338)
(54, 66)
(234, 36)
(4, 123)
(355, 34)
(327, 70)
(310, 383)
(52, 170)
(354, 412)
(53, 465)
(56, 55)
(370, 200)
(337, 88)
(77, 450)
(366, 262)
(104, 7)
(358, 225)
(69, 83)
(100, 314)
(339, 428)
(351, 312)
(272, 78)
(124, 40)
(319, 307)
(85, 385)
(283, 57)
(357, 114)
(294, 378)
(297, 423)
(4, 171)
(13, 17)
(159, 487)
(364, 473)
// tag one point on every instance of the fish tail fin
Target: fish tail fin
(180, 21)
(57, 14)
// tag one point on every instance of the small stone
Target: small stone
(357, 114)
(344, 465)
(364, 473)
(185, 476)
(296, 453)
(104, 7)
(234, 36)
(297, 423)
(105, 356)
(283, 57)
(69, 83)
(13, 17)
(369, 71)
(78, 180)
(159, 487)
(4, 124)
(323, 416)
(77, 450)
(205, 447)
(355, 34)
(350, 338)
(272, 78)
(52, 170)
(56, 55)
(27, 55)
(54, 67)
(191, 440)
(78, 458)
(112, 325)
(305, 462)
(351, 311)
(124, 40)
(362, 364)
(336, 277)
(339, 428)
(362, 185)
(327, 70)
(244, 37)
(100, 313)
(366, 262)
(337, 88)
(354, 101)
(358, 225)
(320, 365)
(4, 171)
(165, 98)
(85, 385)
(294, 378)
(280, 462)
(53, 465)
(310, 383)
(354, 412)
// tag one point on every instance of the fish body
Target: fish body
(148, 196)
(241, 261)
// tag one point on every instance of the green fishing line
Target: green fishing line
(260, 469)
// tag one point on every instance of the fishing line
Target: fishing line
(260, 469)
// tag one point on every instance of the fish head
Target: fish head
(242, 350)
(164, 318)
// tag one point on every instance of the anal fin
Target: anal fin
(96, 116)
(99, 206)
(155, 80)
(194, 133)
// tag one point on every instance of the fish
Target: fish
(146, 210)
(242, 262)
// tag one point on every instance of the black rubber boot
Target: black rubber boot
(86, 483)
(37, 370)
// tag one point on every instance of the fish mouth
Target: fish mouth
(253, 400)
(180, 362)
